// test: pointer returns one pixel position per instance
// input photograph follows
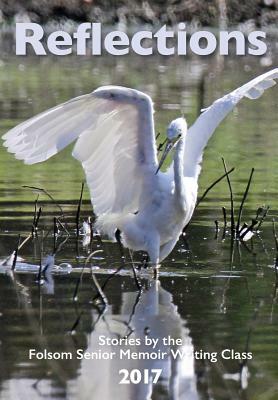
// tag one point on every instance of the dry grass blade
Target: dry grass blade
(208, 190)
(274, 233)
(243, 200)
(77, 218)
(265, 212)
(75, 294)
(212, 185)
(231, 197)
(40, 190)
(224, 217)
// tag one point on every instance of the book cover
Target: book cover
(138, 200)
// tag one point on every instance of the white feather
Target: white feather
(203, 128)
(115, 143)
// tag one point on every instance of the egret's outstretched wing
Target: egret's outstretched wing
(115, 142)
(200, 132)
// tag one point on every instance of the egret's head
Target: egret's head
(175, 132)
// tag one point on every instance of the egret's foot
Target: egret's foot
(145, 262)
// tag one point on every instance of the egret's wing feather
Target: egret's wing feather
(45, 134)
(115, 143)
(121, 154)
(200, 132)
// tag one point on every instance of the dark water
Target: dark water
(212, 294)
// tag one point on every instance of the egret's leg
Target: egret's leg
(156, 272)
(134, 271)
(153, 251)
(144, 262)
(119, 241)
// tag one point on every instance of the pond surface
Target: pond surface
(212, 294)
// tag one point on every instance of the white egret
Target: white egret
(115, 134)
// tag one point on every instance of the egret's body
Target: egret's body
(166, 205)
(115, 142)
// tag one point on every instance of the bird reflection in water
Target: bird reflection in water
(154, 316)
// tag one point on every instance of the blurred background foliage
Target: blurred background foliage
(205, 13)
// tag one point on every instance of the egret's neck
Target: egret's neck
(178, 172)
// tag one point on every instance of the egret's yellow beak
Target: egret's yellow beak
(168, 147)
